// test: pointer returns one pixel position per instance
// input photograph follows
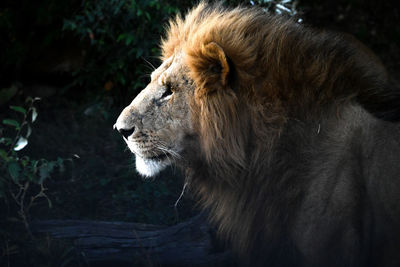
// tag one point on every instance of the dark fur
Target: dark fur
(293, 167)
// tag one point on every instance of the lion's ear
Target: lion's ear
(220, 65)
(209, 67)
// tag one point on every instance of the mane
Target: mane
(283, 69)
(280, 71)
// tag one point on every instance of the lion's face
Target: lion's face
(155, 125)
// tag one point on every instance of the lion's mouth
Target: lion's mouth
(148, 155)
(160, 157)
(150, 162)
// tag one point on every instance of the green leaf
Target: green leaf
(69, 25)
(43, 172)
(139, 52)
(34, 114)
(51, 165)
(34, 165)
(31, 176)
(18, 109)
(14, 169)
(24, 161)
(6, 140)
(21, 143)
(104, 181)
(11, 123)
(129, 39)
(28, 131)
(121, 37)
(60, 163)
(148, 16)
(3, 155)
(45, 169)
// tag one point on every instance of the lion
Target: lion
(289, 136)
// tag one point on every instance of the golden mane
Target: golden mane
(266, 48)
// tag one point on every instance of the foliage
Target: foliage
(122, 34)
(278, 6)
(119, 34)
(285, 7)
(22, 178)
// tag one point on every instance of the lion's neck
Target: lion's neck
(238, 207)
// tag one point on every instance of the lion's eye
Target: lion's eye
(168, 91)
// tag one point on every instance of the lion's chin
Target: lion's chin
(150, 167)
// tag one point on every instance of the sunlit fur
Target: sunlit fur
(149, 168)
(274, 134)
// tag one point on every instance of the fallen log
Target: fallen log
(190, 243)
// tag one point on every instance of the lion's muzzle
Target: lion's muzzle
(125, 124)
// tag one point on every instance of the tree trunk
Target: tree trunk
(190, 243)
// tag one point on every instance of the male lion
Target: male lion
(288, 134)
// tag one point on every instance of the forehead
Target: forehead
(170, 68)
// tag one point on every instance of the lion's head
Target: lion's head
(157, 123)
(200, 102)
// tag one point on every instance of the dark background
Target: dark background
(86, 60)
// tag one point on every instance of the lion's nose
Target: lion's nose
(125, 131)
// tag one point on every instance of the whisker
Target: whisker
(148, 62)
(170, 161)
(170, 151)
(162, 145)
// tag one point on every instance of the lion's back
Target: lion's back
(351, 205)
